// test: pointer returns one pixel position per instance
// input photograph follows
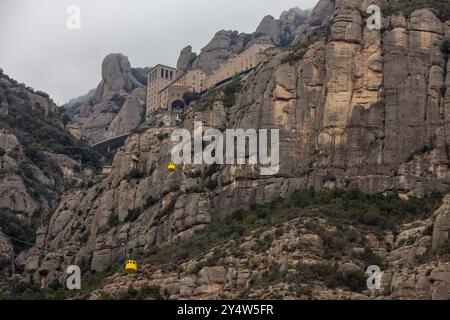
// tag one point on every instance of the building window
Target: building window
(171, 75)
(167, 74)
(162, 73)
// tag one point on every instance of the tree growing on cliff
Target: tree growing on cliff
(445, 48)
(189, 97)
(2, 154)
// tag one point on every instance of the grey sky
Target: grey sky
(36, 47)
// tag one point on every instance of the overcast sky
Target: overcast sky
(38, 49)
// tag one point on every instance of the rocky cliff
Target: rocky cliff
(39, 160)
(356, 108)
(299, 255)
(116, 107)
(227, 44)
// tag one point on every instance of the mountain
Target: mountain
(227, 44)
(116, 107)
(118, 104)
(73, 106)
(364, 171)
(39, 160)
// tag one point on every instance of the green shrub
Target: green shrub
(118, 100)
(150, 202)
(211, 184)
(370, 258)
(132, 292)
(331, 276)
(133, 214)
(140, 130)
(134, 174)
(354, 281)
(162, 136)
(428, 230)
(272, 274)
(209, 171)
(230, 91)
(189, 97)
(17, 228)
(195, 189)
(294, 56)
(42, 94)
(440, 7)
(55, 285)
(150, 291)
(34, 153)
(22, 95)
(343, 208)
(113, 220)
(194, 174)
(445, 48)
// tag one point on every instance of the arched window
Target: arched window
(162, 73)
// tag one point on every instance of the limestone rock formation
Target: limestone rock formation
(356, 109)
(273, 263)
(117, 77)
(31, 173)
(227, 44)
(322, 12)
(14, 194)
(185, 60)
(38, 161)
(269, 28)
(118, 105)
(354, 112)
(130, 115)
(216, 52)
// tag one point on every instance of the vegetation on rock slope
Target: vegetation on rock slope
(440, 7)
(40, 131)
(341, 218)
(38, 124)
(375, 213)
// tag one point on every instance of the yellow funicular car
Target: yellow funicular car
(131, 266)
(171, 167)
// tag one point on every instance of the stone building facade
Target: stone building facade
(247, 60)
(158, 78)
(165, 90)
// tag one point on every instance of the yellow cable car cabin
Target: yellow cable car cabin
(131, 266)
(171, 167)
